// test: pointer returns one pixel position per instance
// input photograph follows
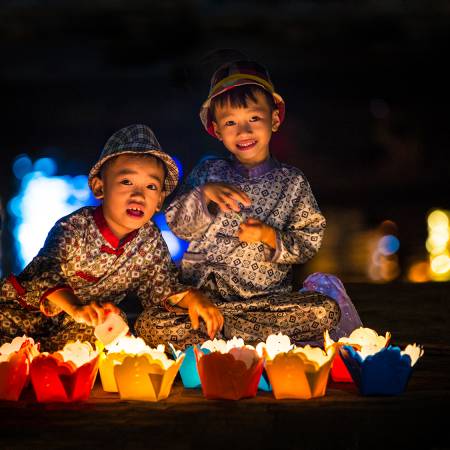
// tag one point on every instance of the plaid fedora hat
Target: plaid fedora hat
(136, 140)
(231, 75)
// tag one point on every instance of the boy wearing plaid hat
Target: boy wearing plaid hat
(250, 217)
(95, 256)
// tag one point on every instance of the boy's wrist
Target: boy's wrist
(269, 237)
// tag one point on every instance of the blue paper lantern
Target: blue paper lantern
(188, 369)
(386, 372)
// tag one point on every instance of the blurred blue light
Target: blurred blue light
(45, 165)
(388, 245)
(21, 166)
(207, 158)
(42, 200)
(14, 206)
(179, 166)
(176, 246)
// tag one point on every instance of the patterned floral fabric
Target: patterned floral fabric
(82, 254)
(303, 317)
(281, 197)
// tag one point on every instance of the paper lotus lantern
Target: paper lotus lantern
(188, 370)
(66, 375)
(365, 340)
(275, 343)
(148, 376)
(15, 358)
(300, 373)
(385, 372)
(115, 354)
(231, 371)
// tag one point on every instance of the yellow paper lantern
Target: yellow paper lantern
(115, 353)
(146, 378)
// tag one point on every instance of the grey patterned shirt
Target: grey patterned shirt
(281, 197)
(83, 255)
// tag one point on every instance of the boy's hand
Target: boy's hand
(226, 196)
(92, 314)
(199, 305)
(253, 230)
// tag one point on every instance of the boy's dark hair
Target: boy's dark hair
(238, 97)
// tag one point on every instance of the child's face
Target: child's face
(246, 131)
(132, 190)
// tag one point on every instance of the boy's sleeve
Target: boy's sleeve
(302, 235)
(44, 274)
(162, 286)
(187, 215)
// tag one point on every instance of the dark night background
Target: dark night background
(365, 86)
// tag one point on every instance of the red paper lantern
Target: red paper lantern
(15, 367)
(54, 380)
(339, 372)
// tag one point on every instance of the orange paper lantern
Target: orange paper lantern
(232, 376)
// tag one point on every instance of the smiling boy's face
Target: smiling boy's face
(246, 131)
(131, 188)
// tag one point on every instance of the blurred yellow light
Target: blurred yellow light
(437, 219)
(435, 248)
(440, 264)
(419, 272)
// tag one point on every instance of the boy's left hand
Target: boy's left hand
(253, 230)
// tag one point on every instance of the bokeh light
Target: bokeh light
(44, 198)
(438, 243)
(419, 272)
(383, 262)
(176, 246)
(41, 201)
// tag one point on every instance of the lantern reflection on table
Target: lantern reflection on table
(15, 359)
(147, 376)
(384, 371)
(231, 371)
(66, 375)
(298, 372)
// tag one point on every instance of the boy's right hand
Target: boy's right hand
(92, 314)
(226, 196)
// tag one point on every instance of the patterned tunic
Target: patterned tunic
(250, 283)
(281, 197)
(83, 255)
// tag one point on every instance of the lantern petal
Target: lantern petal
(13, 376)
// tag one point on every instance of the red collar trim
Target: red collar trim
(106, 232)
